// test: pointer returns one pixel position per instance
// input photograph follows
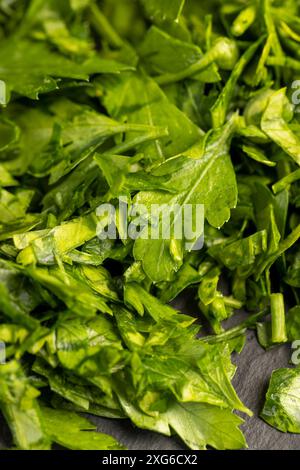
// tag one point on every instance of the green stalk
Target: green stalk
(236, 331)
(278, 319)
(197, 67)
(286, 181)
(233, 303)
(290, 240)
(103, 27)
(286, 62)
(224, 52)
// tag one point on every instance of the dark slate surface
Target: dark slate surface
(251, 381)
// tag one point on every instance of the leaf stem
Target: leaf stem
(236, 331)
(286, 181)
(103, 27)
(278, 319)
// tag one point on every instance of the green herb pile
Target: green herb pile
(156, 102)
